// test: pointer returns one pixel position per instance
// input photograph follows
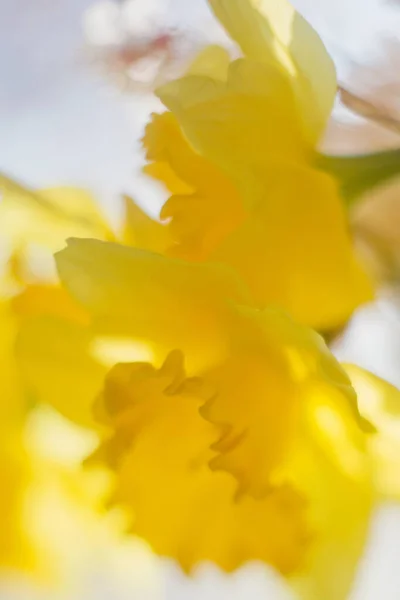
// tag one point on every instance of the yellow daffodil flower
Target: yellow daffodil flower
(241, 439)
(237, 153)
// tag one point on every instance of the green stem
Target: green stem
(361, 173)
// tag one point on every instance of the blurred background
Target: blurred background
(77, 81)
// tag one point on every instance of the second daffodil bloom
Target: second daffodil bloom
(238, 154)
(240, 440)
(49, 506)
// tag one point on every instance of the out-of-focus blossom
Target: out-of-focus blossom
(51, 511)
(134, 43)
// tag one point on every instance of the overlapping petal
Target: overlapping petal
(160, 447)
(47, 217)
(204, 206)
(286, 234)
(165, 302)
(267, 30)
(380, 403)
(141, 231)
(277, 377)
(242, 123)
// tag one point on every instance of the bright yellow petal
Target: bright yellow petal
(46, 299)
(162, 172)
(53, 351)
(379, 402)
(159, 451)
(55, 359)
(283, 226)
(166, 145)
(16, 552)
(241, 124)
(340, 513)
(12, 402)
(153, 298)
(282, 370)
(141, 231)
(291, 246)
(289, 414)
(201, 214)
(294, 249)
(272, 30)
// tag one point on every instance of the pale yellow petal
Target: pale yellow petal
(166, 146)
(162, 172)
(291, 246)
(46, 299)
(184, 510)
(55, 359)
(141, 231)
(379, 402)
(47, 217)
(64, 516)
(166, 302)
(241, 124)
(272, 30)
(213, 61)
(340, 510)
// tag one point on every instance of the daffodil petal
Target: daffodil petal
(238, 124)
(294, 249)
(16, 551)
(272, 30)
(49, 216)
(168, 302)
(213, 61)
(179, 506)
(205, 206)
(54, 355)
(340, 509)
(46, 299)
(277, 371)
(379, 402)
(141, 231)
